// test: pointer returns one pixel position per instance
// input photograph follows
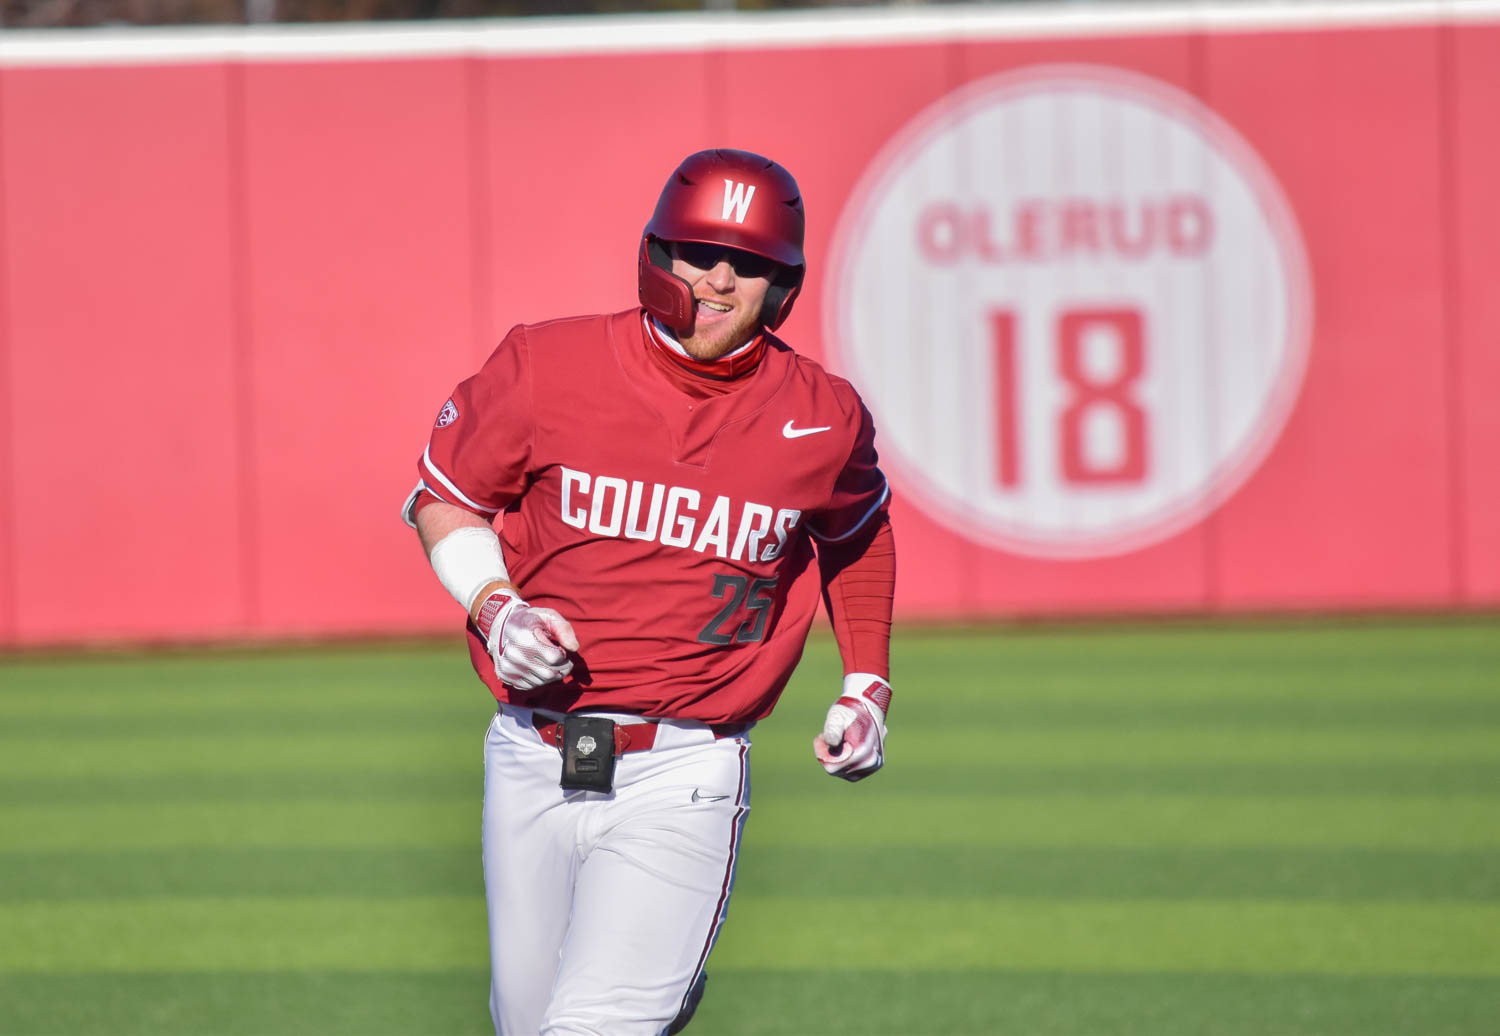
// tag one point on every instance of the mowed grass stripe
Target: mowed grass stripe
(901, 934)
(225, 752)
(276, 1003)
(916, 872)
(1341, 672)
(1012, 747)
(1289, 779)
(991, 1003)
(840, 816)
(230, 752)
(459, 707)
(216, 934)
(1115, 873)
(1115, 935)
(1066, 703)
(885, 819)
(237, 872)
(351, 673)
(143, 726)
(255, 823)
(961, 777)
(278, 784)
(767, 1003)
(1306, 643)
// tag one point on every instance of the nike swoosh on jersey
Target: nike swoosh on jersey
(698, 796)
(797, 433)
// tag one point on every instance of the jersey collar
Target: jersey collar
(732, 367)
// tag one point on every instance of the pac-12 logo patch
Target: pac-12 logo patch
(447, 415)
(1078, 305)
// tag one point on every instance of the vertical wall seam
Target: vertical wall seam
(241, 348)
(1451, 318)
(716, 108)
(10, 619)
(481, 256)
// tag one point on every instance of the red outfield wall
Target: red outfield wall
(240, 275)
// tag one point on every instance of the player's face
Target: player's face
(730, 287)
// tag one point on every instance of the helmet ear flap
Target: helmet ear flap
(666, 296)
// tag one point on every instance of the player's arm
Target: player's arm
(529, 645)
(859, 584)
(436, 521)
(477, 462)
(857, 562)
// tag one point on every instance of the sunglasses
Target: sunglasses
(705, 257)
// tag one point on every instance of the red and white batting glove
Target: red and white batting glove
(852, 745)
(529, 645)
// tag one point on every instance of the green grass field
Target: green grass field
(1137, 830)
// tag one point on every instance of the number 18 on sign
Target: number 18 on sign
(1077, 303)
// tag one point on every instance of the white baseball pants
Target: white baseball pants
(603, 907)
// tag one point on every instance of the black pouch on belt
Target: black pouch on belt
(588, 751)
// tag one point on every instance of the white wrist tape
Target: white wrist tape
(466, 561)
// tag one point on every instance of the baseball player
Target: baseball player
(661, 476)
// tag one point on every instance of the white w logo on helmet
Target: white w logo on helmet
(737, 200)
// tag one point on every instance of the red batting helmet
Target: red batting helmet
(724, 197)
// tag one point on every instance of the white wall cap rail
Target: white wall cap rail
(694, 31)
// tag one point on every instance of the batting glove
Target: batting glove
(852, 745)
(529, 645)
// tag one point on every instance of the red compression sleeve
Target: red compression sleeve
(859, 582)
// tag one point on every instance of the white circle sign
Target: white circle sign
(1077, 304)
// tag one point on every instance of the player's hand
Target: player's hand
(529, 645)
(852, 745)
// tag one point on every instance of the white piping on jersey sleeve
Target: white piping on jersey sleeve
(406, 512)
(885, 492)
(448, 484)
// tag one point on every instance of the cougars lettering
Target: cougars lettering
(612, 507)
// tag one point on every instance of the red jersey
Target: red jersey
(671, 530)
